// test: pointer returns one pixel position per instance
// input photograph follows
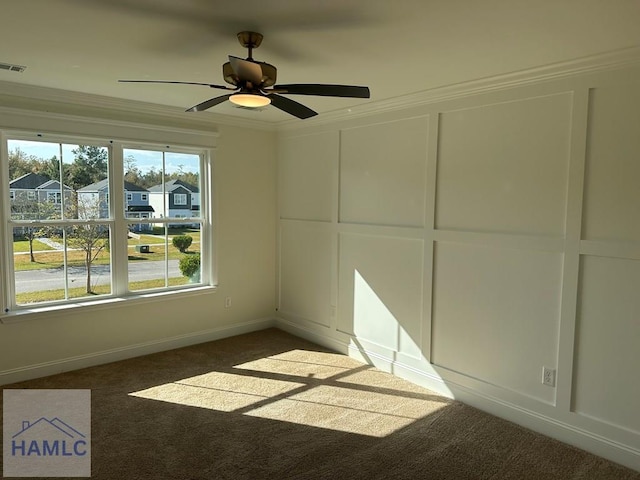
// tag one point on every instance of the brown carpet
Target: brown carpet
(268, 405)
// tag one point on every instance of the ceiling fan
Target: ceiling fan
(254, 85)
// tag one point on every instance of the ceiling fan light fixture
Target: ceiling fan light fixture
(251, 79)
(250, 100)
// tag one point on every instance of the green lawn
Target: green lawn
(49, 258)
(159, 232)
(23, 246)
(52, 295)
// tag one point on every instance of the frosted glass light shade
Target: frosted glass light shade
(250, 100)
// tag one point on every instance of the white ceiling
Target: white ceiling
(395, 47)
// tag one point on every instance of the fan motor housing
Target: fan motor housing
(269, 73)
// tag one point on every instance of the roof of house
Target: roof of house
(52, 185)
(104, 184)
(172, 185)
(140, 208)
(29, 181)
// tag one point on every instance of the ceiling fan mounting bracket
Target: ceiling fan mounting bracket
(250, 39)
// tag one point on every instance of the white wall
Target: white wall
(468, 243)
(245, 242)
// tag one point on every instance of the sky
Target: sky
(144, 159)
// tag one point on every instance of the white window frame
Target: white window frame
(12, 195)
(183, 198)
(129, 197)
(144, 197)
(10, 312)
(57, 197)
(31, 195)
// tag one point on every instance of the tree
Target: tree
(24, 209)
(151, 178)
(89, 166)
(132, 172)
(90, 238)
(20, 164)
(192, 178)
(51, 168)
(182, 242)
(190, 266)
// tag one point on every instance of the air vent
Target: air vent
(12, 68)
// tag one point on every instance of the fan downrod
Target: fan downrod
(250, 40)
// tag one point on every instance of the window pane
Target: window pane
(43, 191)
(154, 260)
(86, 172)
(143, 169)
(34, 179)
(51, 263)
(183, 185)
(38, 260)
(164, 184)
(88, 260)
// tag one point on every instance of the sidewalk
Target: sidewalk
(50, 243)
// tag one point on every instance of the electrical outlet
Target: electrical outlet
(227, 302)
(548, 377)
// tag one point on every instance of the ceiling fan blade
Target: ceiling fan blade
(179, 83)
(350, 91)
(247, 70)
(212, 102)
(291, 106)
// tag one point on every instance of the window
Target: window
(54, 197)
(129, 197)
(83, 241)
(31, 195)
(12, 195)
(144, 197)
(179, 198)
(159, 172)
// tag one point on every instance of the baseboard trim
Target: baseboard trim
(130, 351)
(315, 337)
(536, 421)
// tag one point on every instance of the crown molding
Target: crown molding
(87, 101)
(611, 60)
(108, 122)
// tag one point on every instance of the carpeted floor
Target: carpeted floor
(268, 405)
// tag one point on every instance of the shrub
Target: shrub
(190, 265)
(182, 242)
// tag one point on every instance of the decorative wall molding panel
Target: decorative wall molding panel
(474, 240)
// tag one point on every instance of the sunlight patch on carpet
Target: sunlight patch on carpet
(303, 363)
(219, 391)
(317, 389)
(343, 409)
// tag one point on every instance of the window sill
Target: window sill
(49, 311)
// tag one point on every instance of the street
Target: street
(53, 278)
